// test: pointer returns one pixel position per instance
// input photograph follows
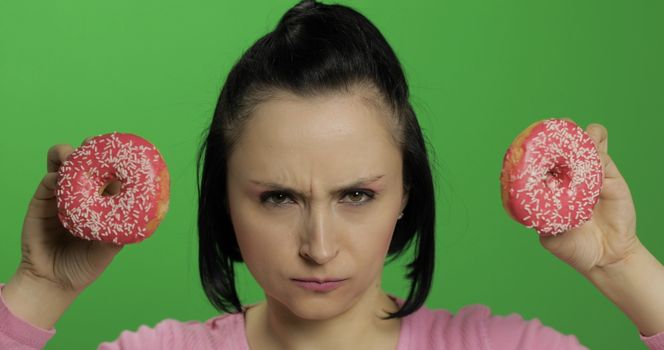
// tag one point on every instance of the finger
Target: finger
(46, 188)
(86, 139)
(56, 156)
(599, 135)
(610, 169)
(106, 250)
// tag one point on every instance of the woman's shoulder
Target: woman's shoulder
(225, 331)
(475, 326)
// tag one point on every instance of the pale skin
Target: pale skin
(315, 145)
(607, 251)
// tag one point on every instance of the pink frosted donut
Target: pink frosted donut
(129, 216)
(551, 177)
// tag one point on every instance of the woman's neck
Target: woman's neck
(270, 325)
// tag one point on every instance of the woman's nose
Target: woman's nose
(319, 243)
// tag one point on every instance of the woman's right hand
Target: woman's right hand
(55, 266)
(49, 252)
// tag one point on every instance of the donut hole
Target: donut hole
(111, 188)
(558, 176)
(554, 172)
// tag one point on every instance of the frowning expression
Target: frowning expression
(314, 191)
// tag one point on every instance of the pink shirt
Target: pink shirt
(473, 327)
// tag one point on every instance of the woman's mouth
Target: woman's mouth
(319, 285)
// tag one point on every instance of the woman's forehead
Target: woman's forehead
(288, 119)
(338, 134)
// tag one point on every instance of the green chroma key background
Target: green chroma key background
(479, 71)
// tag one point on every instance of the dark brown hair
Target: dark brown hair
(313, 49)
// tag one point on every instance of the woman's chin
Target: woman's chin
(317, 306)
(316, 311)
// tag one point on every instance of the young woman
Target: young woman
(314, 171)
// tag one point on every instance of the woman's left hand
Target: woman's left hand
(610, 235)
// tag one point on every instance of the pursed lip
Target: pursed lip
(319, 285)
(319, 280)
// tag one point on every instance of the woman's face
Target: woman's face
(295, 205)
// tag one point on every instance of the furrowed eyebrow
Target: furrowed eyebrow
(357, 183)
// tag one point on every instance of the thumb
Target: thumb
(105, 251)
(599, 135)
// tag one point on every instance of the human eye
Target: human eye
(279, 196)
(360, 194)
